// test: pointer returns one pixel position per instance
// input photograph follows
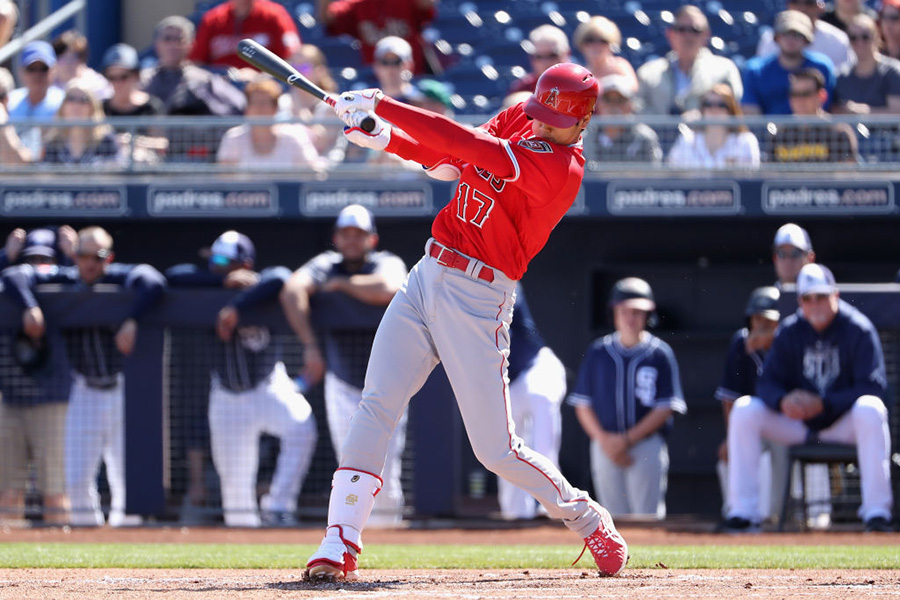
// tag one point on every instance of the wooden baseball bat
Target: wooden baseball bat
(265, 60)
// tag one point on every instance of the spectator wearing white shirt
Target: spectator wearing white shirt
(716, 145)
(827, 39)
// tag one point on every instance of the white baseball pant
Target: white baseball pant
(534, 398)
(449, 315)
(639, 489)
(864, 425)
(341, 401)
(95, 431)
(236, 420)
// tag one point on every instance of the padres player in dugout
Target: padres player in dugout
(518, 175)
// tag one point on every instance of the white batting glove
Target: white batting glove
(377, 139)
(364, 100)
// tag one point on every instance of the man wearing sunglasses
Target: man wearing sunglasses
(549, 45)
(823, 380)
(675, 83)
(827, 39)
(95, 419)
(250, 393)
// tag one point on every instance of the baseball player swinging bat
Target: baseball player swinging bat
(265, 60)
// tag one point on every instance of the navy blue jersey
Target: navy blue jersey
(741, 369)
(840, 364)
(92, 351)
(623, 385)
(250, 356)
(524, 339)
(347, 325)
(51, 385)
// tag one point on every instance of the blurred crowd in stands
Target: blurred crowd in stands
(811, 62)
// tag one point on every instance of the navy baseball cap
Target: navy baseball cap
(633, 292)
(764, 301)
(815, 279)
(37, 51)
(231, 246)
(121, 55)
(40, 242)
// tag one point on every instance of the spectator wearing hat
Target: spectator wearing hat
(842, 12)
(223, 26)
(121, 68)
(811, 142)
(823, 380)
(618, 142)
(435, 96)
(827, 39)
(674, 84)
(37, 99)
(743, 364)
(547, 45)
(72, 52)
(393, 68)
(889, 26)
(719, 144)
(870, 86)
(767, 78)
(599, 41)
(627, 391)
(371, 20)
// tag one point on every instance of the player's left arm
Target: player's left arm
(669, 397)
(149, 285)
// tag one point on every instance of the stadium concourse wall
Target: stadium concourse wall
(702, 243)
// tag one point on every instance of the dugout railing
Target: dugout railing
(167, 382)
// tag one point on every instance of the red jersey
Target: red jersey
(219, 32)
(370, 20)
(513, 190)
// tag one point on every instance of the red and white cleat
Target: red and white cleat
(607, 546)
(335, 560)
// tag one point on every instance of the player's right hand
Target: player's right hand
(313, 364)
(14, 243)
(377, 139)
(364, 100)
(33, 322)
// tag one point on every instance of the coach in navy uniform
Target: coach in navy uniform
(627, 391)
(823, 380)
(250, 392)
(94, 422)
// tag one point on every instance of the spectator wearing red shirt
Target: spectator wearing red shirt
(370, 20)
(224, 26)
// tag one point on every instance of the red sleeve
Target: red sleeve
(406, 147)
(200, 51)
(446, 136)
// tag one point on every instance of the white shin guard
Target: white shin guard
(352, 498)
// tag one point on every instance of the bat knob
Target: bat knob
(367, 124)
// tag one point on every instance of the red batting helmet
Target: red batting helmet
(565, 93)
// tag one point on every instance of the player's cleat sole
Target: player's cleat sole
(325, 571)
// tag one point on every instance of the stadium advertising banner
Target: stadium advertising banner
(673, 197)
(50, 200)
(827, 197)
(214, 199)
(388, 198)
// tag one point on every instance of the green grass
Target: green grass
(253, 556)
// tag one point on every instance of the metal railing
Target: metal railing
(162, 145)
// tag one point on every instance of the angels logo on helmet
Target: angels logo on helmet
(552, 99)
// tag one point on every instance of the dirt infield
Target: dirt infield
(655, 583)
(121, 584)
